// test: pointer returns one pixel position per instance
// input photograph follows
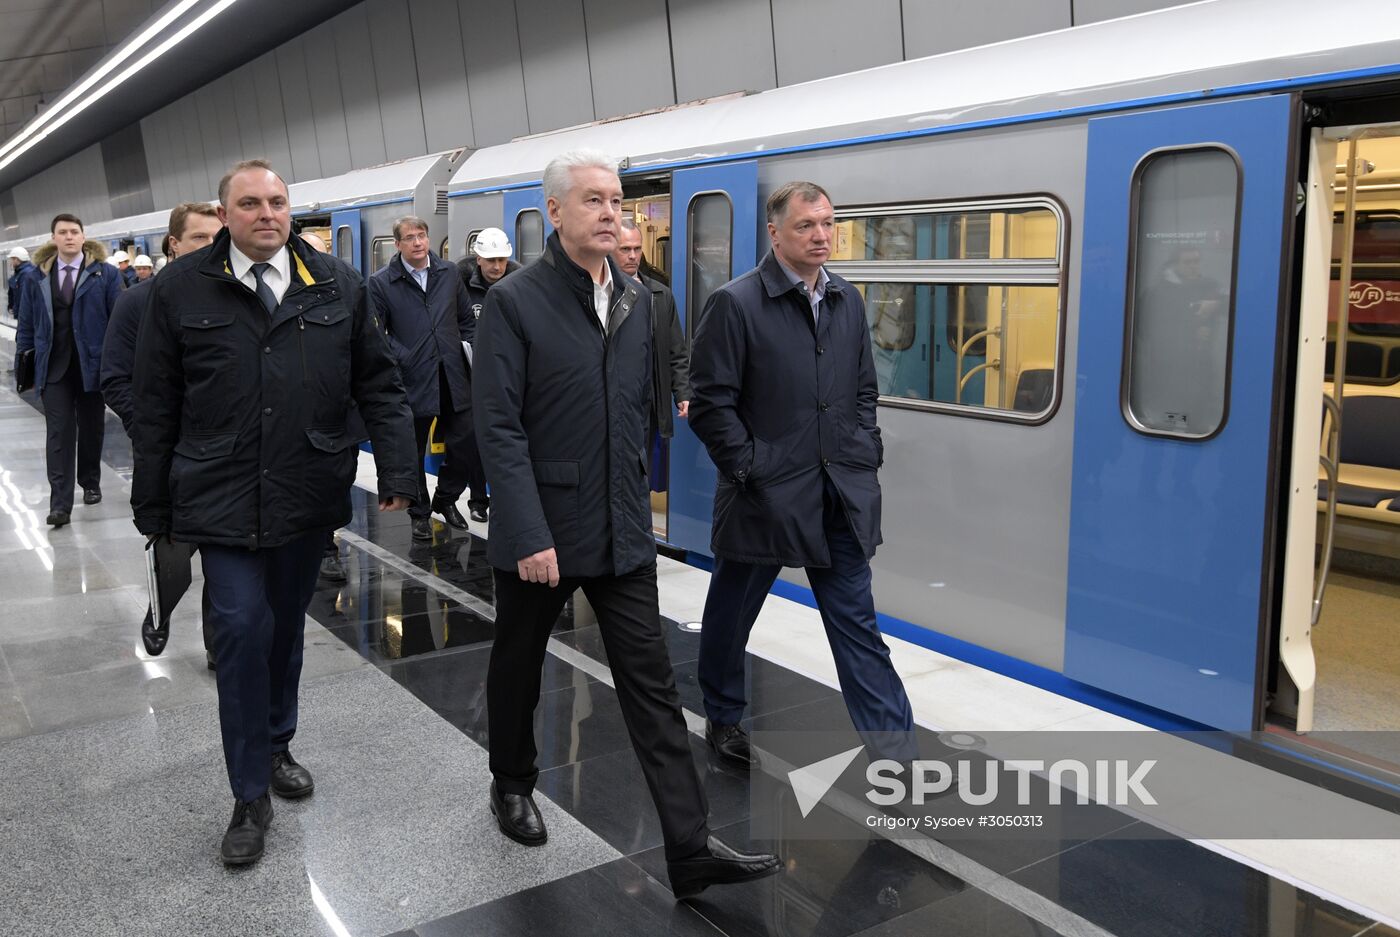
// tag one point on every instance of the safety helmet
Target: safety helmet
(141, 261)
(120, 257)
(492, 242)
(19, 253)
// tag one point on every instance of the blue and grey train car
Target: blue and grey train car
(1096, 266)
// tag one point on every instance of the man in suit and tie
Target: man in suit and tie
(64, 309)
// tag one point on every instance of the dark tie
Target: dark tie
(264, 291)
(65, 289)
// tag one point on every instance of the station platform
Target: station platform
(113, 795)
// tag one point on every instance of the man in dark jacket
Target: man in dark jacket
(64, 309)
(784, 400)
(193, 225)
(563, 385)
(19, 269)
(248, 356)
(670, 354)
(422, 306)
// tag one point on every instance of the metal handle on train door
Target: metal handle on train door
(1333, 402)
(962, 353)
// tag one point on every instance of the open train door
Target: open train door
(347, 234)
(1187, 215)
(714, 238)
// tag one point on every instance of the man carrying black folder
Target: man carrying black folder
(247, 360)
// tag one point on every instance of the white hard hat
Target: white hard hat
(141, 261)
(120, 256)
(19, 253)
(492, 242)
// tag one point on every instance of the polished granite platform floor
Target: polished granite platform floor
(112, 795)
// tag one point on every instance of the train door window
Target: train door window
(476, 233)
(1182, 274)
(444, 247)
(962, 300)
(711, 226)
(1373, 318)
(529, 235)
(345, 244)
(382, 249)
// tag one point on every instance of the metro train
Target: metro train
(1097, 266)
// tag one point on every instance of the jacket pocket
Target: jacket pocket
(557, 482)
(204, 482)
(330, 466)
(207, 319)
(203, 448)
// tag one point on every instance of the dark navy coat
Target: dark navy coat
(670, 358)
(426, 330)
(780, 403)
(561, 411)
(477, 285)
(119, 349)
(239, 416)
(99, 285)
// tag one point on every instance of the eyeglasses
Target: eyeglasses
(413, 238)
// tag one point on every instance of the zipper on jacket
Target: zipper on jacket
(301, 342)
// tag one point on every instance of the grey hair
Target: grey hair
(559, 174)
(629, 224)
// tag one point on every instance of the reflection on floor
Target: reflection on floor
(112, 796)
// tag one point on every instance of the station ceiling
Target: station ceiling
(47, 46)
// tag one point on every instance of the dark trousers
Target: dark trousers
(258, 601)
(75, 419)
(872, 689)
(626, 606)
(461, 466)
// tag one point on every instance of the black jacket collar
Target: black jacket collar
(624, 288)
(776, 282)
(398, 270)
(215, 261)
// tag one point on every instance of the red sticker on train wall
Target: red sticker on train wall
(1373, 302)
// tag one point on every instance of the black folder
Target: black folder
(167, 579)
(24, 371)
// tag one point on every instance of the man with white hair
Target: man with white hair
(562, 382)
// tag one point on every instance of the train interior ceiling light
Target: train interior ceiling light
(76, 99)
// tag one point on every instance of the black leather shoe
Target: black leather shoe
(92, 496)
(449, 512)
(478, 513)
(717, 864)
(243, 843)
(518, 817)
(57, 519)
(730, 744)
(422, 528)
(332, 569)
(289, 779)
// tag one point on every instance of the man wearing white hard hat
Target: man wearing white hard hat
(143, 267)
(122, 261)
(491, 254)
(19, 266)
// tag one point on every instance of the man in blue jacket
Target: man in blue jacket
(19, 268)
(563, 388)
(783, 397)
(424, 310)
(63, 317)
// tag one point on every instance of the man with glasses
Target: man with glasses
(424, 310)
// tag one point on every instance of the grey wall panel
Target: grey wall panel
(396, 75)
(1092, 11)
(720, 46)
(154, 134)
(322, 76)
(934, 26)
(442, 74)
(127, 174)
(245, 106)
(814, 38)
(197, 182)
(295, 92)
(207, 113)
(358, 90)
(232, 147)
(494, 72)
(271, 118)
(629, 55)
(558, 87)
(77, 185)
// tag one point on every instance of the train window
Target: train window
(471, 240)
(444, 247)
(529, 235)
(383, 251)
(345, 244)
(1373, 318)
(1180, 297)
(963, 302)
(711, 226)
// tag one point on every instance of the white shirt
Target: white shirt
(419, 276)
(602, 293)
(277, 276)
